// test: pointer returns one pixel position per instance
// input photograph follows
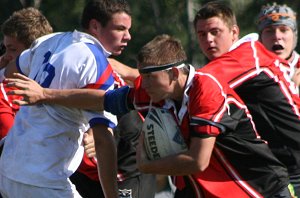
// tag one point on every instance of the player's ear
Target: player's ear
(94, 27)
(235, 33)
(175, 73)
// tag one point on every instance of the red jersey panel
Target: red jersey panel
(7, 109)
(241, 165)
(255, 74)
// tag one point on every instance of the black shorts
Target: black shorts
(143, 185)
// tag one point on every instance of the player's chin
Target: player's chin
(118, 51)
(155, 98)
(211, 55)
(282, 54)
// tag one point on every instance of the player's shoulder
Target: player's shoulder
(90, 41)
(45, 38)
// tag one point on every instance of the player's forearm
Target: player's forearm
(129, 74)
(33, 93)
(107, 160)
(78, 98)
(90, 99)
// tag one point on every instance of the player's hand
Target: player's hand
(89, 144)
(296, 77)
(31, 91)
(141, 156)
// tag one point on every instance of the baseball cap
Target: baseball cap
(277, 15)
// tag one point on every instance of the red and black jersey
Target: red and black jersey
(254, 73)
(291, 65)
(241, 165)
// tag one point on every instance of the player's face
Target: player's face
(13, 47)
(115, 35)
(214, 37)
(279, 39)
(157, 85)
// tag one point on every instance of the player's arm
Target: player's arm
(33, 93)
(98, 100)
(195, 159)
(107, 156)
(129, 74)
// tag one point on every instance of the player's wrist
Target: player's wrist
(46, 95)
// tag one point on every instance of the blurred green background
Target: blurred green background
(150, 17)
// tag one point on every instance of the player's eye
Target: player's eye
(215, 32)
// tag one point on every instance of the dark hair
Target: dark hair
(2, 48)
(216, 9)
(102, 11)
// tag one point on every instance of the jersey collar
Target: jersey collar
(248, 38)
(87, 38)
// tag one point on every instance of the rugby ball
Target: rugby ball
(162, 136)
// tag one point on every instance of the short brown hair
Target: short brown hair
(26, 25)
(216, 9)
(102, 11)
(163, 49)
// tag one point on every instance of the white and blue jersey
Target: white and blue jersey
(44, 147)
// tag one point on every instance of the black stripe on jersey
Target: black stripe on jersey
(202, 122)
(242, 76)
(237, 121)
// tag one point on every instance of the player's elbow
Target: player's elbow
(145, 168)
(201, 165)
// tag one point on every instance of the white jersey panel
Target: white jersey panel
(44, 147)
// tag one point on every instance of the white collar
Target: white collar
(87, 38)
(248, 38)
(183, 108)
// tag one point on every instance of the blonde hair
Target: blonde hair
(26, 25)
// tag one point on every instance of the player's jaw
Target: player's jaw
(118, 49)
(211, 52)
(155, 89)
(156, 96)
